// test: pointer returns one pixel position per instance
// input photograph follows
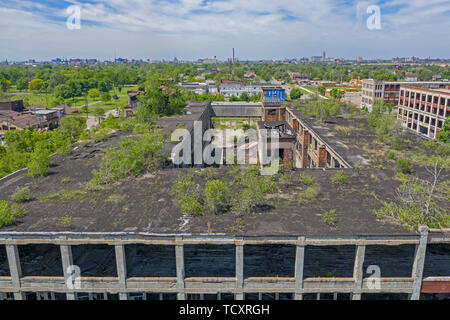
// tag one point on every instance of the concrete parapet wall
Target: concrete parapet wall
(186, 279)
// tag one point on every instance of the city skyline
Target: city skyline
(196, 29)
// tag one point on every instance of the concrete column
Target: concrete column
(179, 257)
(239, 271)
(67, 261)
(419, 262)
(121, 270)
(299, 263)
(358, 271)
(15, 270)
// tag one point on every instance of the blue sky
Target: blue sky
(258, 29)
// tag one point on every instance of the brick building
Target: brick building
(423, 110)
(389, 91)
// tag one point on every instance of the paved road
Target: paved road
(311, 92)
(17, 93)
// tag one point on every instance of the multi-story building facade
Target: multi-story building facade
(423, 110)
(389, 91)
(231, 88)
(196, 87)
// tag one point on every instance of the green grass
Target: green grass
(220, 123)
(45, 99)
(64, 195)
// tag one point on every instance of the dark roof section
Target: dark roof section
(345, 145)
(143, 204)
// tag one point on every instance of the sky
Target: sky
(192, 29)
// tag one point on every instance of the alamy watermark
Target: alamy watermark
(229, 146)
(369, 15)
(74, 17)
(73, 280)
(374, 20)
(373, 282)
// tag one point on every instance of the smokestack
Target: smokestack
(233, 56)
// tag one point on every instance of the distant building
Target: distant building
(236, 88)
(196, 87)
(356, 82)
(207, 61)
(13, 105)
(389, 91)
(12, 120)
(298, 77)
(423, 110)
(250, 75)
(411, 78)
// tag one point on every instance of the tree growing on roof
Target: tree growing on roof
(444, 134)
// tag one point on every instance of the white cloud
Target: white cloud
(195, 28)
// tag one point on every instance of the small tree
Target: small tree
(99, 112)
(404, 166)
(94, 93)
(72, 127)
(419, 202)
(295, 94)
(6, 218)
(35, 84)
(322, 90)
(106, 97)
(22, 84)
(9, 212)
(339, 178)
(336, 93)
(444, 134)
(218, 196)
(39, 163)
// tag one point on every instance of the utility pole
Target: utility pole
(232, 66)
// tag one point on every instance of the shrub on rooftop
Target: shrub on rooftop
(21, 194)
(132, 158)
(339, 178)
(218, 195)
(39, 163)
(9, 212)
(404, 166)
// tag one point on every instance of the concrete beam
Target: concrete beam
(358, 271)
(179, 258)
(67, 263)
(112, 239)
(239, 271)
(121, 270)
(299, 264)
(419, 262)
(15, 270)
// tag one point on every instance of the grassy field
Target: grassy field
(46, 99)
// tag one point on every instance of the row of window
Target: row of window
(420, 117)
(426, 98)
(433, 110)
